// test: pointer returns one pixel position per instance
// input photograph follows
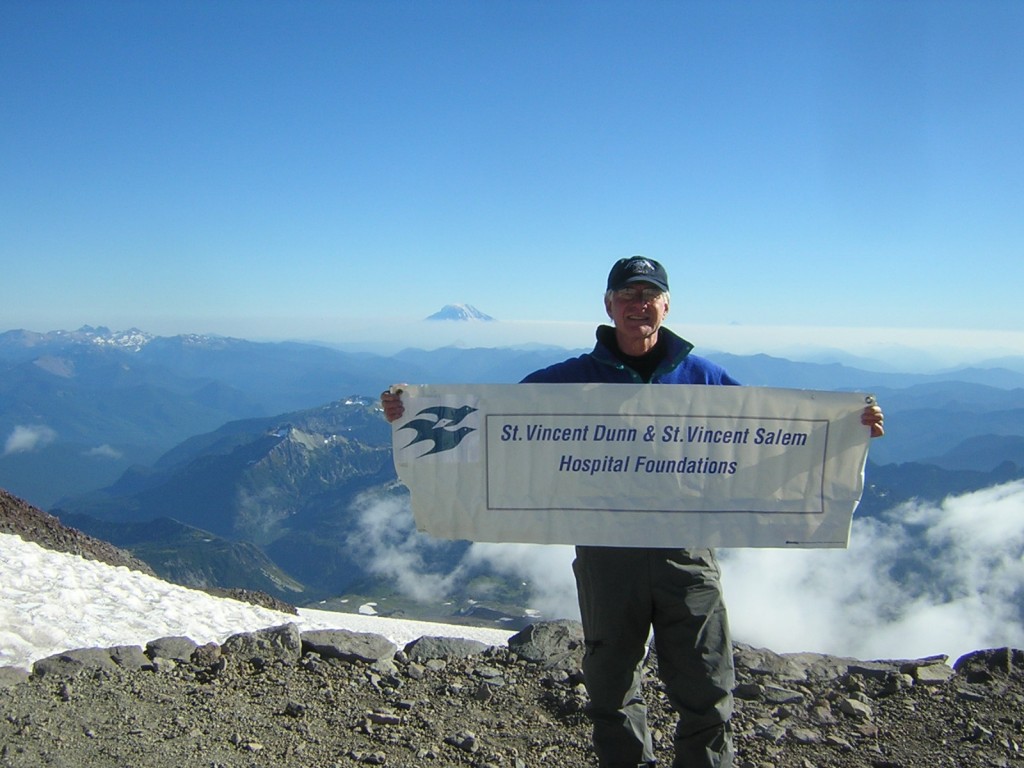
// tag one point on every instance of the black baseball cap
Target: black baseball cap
(637, 269)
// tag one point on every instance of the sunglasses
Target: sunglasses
(633, 294)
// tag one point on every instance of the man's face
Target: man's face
(638, 310)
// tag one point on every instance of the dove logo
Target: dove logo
(439, 428)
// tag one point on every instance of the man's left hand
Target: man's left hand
(873, 417)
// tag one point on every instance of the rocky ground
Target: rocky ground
(278, 698)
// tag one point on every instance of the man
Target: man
(624, 592)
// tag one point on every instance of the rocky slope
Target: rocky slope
(321, 700)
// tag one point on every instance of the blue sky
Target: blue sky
(329, 170)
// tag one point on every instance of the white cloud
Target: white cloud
(387, 543)
(104, 451)
(25, 439)
(546, 569)
(925, 579)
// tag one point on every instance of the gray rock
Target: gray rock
(464, 740)
(770, 731)
(174, 648)
(12, 676)
(130, 657)
(389, 669)
(839, 741)
(805, 736)
(821, 714)
(797, 667)
(988, 665)
(347, 645)
(72, 662)
(911, 667)
(774, 694)
(748, 691)
(855, 708)
(932, 674)
(206, 655)
(443, 648)
(283, 643)
(874, 670)
(554, 644)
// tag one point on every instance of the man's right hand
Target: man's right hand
(391, 402)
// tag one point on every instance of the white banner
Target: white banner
(633, 465)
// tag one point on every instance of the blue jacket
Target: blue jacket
(602, 366)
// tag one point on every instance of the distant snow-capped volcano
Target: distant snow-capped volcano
(460, 312)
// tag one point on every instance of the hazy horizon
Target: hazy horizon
(909, 350)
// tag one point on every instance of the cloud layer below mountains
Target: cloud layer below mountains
(923, 579)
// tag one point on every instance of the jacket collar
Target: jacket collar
(676, 350)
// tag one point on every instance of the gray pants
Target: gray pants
(623, 592)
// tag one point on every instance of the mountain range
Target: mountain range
(224, 462)
(79, 408)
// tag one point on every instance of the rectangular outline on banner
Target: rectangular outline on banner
(818, 466)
